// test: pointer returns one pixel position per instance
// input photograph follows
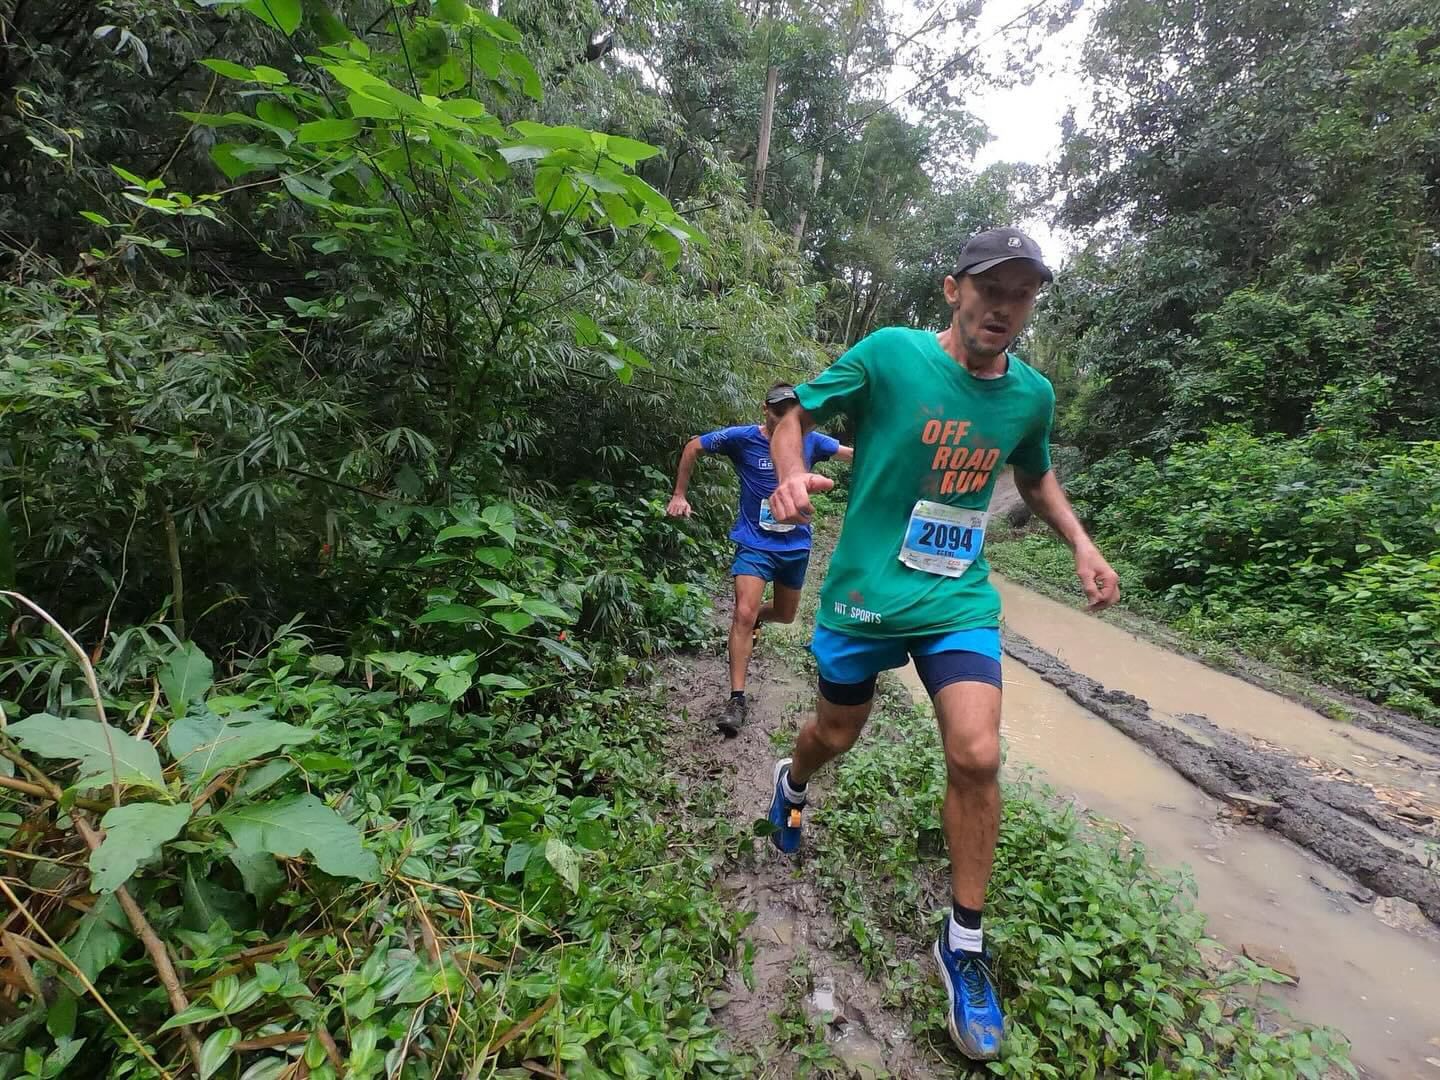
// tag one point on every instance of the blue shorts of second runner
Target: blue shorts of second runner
(849, 664)
(784, 568)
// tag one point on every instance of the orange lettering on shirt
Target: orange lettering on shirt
(990, 459)
(948, 430)
(931, 433)
(942, 457)
(961, 429)
(947, 483)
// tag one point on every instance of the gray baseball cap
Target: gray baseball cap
(995, 246)
(778, 395)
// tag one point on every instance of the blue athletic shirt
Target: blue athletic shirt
(749, 450)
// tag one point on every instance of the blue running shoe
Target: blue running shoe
(976, 1023)
(784, 814)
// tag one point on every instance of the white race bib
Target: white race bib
(767, 519)
(942, 539)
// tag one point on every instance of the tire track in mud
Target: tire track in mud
(1323, 816)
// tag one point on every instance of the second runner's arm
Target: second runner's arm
(1044, 495)
(679, 505)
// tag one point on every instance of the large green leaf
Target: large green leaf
(291, 826)
(452, 11)
(133, 833)
(217, 1050)
(283, 15)
(566, 862)
(462, 531)
(205, 744)
(229, 70)
(333, 129)
(188, 675)
(452, 613)
(513, 621)
(203, 903)
(629, 151)
(84, 740)
(98, 938)
(262, 876)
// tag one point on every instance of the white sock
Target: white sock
(964, 939)
(791, 795)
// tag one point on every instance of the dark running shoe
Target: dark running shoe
(976, 1023)
(784, 814)
(733, 719)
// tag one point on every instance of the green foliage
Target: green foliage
(1290, 245)
(1248, 354)
(133, 834)
(1098, 955)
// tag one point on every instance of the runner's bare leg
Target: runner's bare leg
(825, 736)
(783, 606)
(749, 591)
(969, 717)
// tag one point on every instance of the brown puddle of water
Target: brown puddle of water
(1172, 684)
(1376, 984)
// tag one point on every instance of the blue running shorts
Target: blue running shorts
(784, 568)
(849, 664)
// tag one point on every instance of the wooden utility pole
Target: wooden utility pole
(762, 153)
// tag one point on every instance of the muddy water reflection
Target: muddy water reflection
(1377, 985)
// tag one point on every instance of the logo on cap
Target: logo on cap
(1014, 241)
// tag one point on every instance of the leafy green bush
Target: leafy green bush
(458, 844)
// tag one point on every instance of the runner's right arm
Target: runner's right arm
(790, 502)
(679, 505)
(840, 388)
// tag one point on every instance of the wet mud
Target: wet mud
(1325, 816)
(796, 959)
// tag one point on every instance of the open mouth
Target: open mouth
(993, 327)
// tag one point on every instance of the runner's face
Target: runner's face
(991, 308)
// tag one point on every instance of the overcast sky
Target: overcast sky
(1024, 121)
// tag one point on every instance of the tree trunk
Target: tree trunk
(871, 306)
(815, 179)
(850, 318)
(762, 152)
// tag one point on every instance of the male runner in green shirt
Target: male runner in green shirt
(936, 417)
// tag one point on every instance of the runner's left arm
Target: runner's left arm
(679, 505)
(1044, 495)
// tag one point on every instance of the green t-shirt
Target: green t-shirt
(925, 429)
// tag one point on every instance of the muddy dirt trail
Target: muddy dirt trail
(795, 963)
(1305, 836)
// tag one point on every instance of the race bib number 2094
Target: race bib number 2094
(942, 539)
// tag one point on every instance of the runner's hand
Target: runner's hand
(679, 506)
(790, 503)
(1100, 582)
